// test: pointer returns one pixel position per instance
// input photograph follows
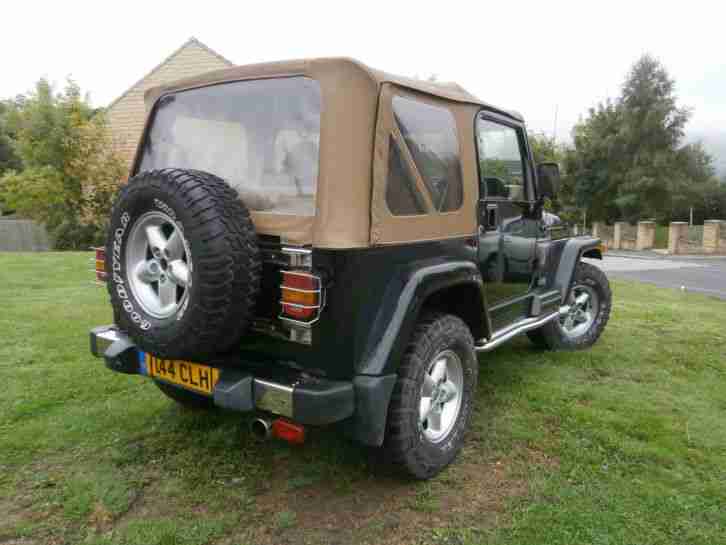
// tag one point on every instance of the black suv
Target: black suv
(324, 243)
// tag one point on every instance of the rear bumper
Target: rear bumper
(304, 399)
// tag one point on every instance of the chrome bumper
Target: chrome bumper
(102, 338)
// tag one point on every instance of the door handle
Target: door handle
(492, 219)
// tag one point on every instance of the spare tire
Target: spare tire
(184, 263)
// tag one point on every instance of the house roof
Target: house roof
(190, 41)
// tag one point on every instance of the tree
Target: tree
(628, 161)
(70, 171)
(546, 150)
(590, 165)
(8, 158)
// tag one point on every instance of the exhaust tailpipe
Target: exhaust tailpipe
(261, 428)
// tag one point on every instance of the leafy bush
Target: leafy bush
(71, 235)
(70, 170)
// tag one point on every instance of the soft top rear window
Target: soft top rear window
(261, 136)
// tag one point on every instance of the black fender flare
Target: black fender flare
(389, 335)
(405, 296)
(573, 251)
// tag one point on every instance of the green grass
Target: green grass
(624, 443)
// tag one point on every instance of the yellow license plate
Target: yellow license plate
(192, 376)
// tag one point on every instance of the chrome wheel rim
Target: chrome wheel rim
(441, 395)
(158, 264)
(577, 317)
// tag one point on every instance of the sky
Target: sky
(538, 58)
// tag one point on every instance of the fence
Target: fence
(709, 238)
(714, 236)
(628, 236)
(22, 236)
(692, 242)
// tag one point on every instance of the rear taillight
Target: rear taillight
(301, 296)
(100, 264)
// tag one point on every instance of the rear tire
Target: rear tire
(559, 334)
(185, 398)
(422, 446)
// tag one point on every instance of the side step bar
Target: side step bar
(522, 326)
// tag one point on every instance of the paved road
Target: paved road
(705, 275)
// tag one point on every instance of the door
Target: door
(507, 232)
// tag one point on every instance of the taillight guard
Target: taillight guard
(302, 298)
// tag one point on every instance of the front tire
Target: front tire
(433, 397)
(589, 302)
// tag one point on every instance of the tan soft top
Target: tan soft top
(450, 91)
(354, 128)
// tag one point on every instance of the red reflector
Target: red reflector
(300, 281)
(287, 431)
(101, 264)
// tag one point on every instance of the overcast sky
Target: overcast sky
(551, 54)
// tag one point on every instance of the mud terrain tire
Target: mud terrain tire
(412, 448)
(215, 267)
(552, 336)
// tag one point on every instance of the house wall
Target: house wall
(126, 115)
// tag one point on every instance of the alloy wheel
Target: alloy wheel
(158, 264)
(577, 317)
(441, 395)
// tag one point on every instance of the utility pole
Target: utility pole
(554, 127)
(690, 221)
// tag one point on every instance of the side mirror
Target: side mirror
(548, 176)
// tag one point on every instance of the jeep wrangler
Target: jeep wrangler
(317, 242)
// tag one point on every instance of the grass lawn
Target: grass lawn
(625, 443)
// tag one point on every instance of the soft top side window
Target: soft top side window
(402, 195)
(430, 134)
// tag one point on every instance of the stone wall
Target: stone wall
(714, 237)
(623, 236)
(628, 235)
(645, 238)
(709, 238)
